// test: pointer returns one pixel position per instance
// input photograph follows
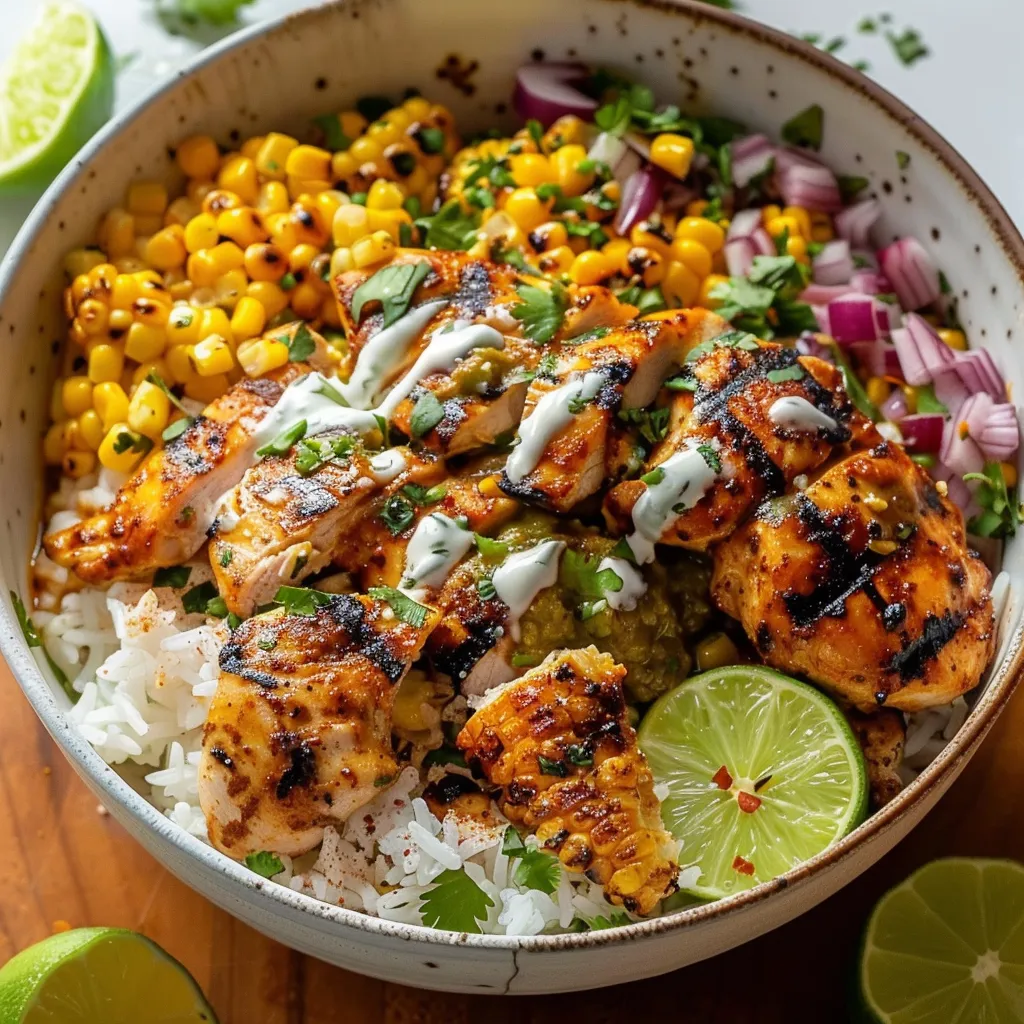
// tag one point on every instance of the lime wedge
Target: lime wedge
(947, 946)
(56, 90)
(762, 772)
(99, 976)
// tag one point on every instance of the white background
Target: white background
(971, 87)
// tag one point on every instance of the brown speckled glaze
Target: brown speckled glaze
(279, 74)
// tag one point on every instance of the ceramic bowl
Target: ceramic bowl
(464, 53)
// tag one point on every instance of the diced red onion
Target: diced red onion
(739, 256)
(975, 413)
(751, 156)
(608, 149)
(812, 186)
(999, 436)
(821, 315)
(877, 357)
(887, 316)
(763, 242)
(787, 157)
(834, 264)
(912, 271)
(987, 371)
(677, 196)
(809, 345)
(640, 196)
(856, 222)
(922, 432)
(961, 454)
(852, 318)
(894, 408)
(744, 224)
(950, 390)
(546, 92)
(822, 294)
(957, 491)
(923, 354)
(870, 282)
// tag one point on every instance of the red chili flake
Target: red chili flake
(722, 779)
(748, 802)
(744, 867)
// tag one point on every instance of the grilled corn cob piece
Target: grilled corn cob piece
(558, 744)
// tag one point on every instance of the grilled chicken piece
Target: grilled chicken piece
(299, 731)
(880, 735)
(601, 817)
(759, 416)
(161, 515)
(562, 456)
(279, 525)
(864, 584)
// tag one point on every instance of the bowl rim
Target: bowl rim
(274, 898)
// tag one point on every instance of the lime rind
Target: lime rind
(56, 91)
(947, 945)
(760, 725)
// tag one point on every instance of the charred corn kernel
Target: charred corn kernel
(802, 218)
(372, 249)
(282, 231)
(365, 150)
(212, 356)
(308, 226)
(556, 261)
(147, 198)
(308, 163)
(954, 339)
(179, 365)
(691, 254)
(262, 355)
(201, 232)
(699, 229)
(220, 199)
(106, 363)
(238, 175)
(526, 209)
(166, 249)
(590, 267)
(121, 448)
(530, 169)
(672, 152)
(229, 288)
(265, 262)
(248, 319)
(77, 464)
(680, 285)
(101, 279)
(76, 395)
(153, 312)
(110, 402)
(343, 166)
(797, 248)
(81, 261)
(212, 322)
(198, 156)
(90, 428)
(549, 236)
(878, 390)
(349, 224)
(94, 316)
(272, 156)
(144, 342)
(149, 410)
(341, 260)
(566, 164)
(55, 443)
(269, 295)
(301, 257)
(206, 389)
(646, 264)
(242, 225)
(117, 234)
(385, 195)
(273, 198)
(567, 129)
(1009, 471)
(783, 225)
(183, 326)
(642, 235)
(707, 286)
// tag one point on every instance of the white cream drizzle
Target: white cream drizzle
(795, 413)
(633, 584)
(550, 416)
(686, 478)
(438, 544)
(522, 576)
(387, 465)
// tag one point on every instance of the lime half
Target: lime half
(762, 772)
(947, 946)
(56, 91)
(99, 976)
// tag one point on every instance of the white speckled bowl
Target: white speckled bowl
(277, 76)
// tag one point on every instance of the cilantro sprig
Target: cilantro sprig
(541, 311)
(393, 287)
(1000, 508)
(455, 903)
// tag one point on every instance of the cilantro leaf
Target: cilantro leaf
(426, 414)
(578, 572)
(794, 372)
(404, 607)
(806, 128)
(176, 428)
(927, 402)
(195, 12)
(173, 576)
(711, 457)
(334, 138)
(538, 870)
(548, 767)
(450, 228)
(512, 844)
(615, 118)
(455, 903)
(1001, 511)
(33, 639)
(196, 600)
(902, 159)
(301, 600)
(421, 495)
(651, 424)
(397, 514)
(541, 311)
(617, 919)
(311, 454)
(302, 344)
(393, 287)
(908, 46)
(654, 477)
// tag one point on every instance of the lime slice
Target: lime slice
(99, 976)
(762, 772)
(947, 946)
(56, 91)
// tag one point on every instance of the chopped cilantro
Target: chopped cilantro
(850, 186)
(538, 870)
(805, 128)
(908, 46)
(711, 457)
(126, 441)
(196, 600)
(536, 132)
(651, 424)
(420, 495)
(835, 44)
(617, 919)
(397, 514)
(393, 287)
(311, 453)
(615, 118)
(486, 589)
(579, 755)
(902, 159)
(1001, 511)
(549, 767)
(455, 903)
(217, 607)
(282, 444)
(867, 25)
(301, 600)
(334, 138)
(450, 228)
(541, 311)
(794, 372)
(302, 344)
(426, 414)
(444, 755)
(176, 429)
(579, 573)
(264, 863)
(173, 576)
(404, 607)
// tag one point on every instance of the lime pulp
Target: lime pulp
(762, 772)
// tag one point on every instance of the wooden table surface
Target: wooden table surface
(61, 859)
